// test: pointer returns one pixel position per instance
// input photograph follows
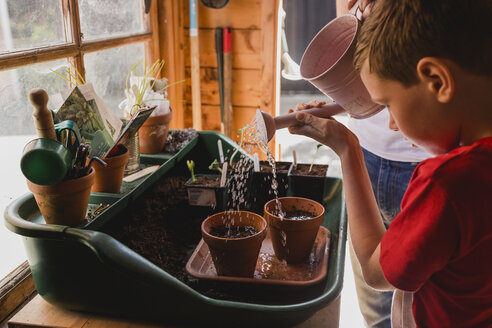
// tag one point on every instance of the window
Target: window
(102, 39)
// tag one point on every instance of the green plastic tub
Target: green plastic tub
(83, 269)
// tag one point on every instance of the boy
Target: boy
(429, 62)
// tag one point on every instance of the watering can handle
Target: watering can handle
(359, 13)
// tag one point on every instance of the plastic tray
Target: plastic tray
(83, 269)
(269, 270)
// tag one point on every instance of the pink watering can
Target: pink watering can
(327, 64)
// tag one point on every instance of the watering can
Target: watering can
(327, 64)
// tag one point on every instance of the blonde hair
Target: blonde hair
(397, 34)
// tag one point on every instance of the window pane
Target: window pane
(108, 69)
(16, 129)
(15, 108)
(109, 18)
(29, 24)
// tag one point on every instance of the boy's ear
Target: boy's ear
(437, 77)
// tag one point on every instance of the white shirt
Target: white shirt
(375, 136)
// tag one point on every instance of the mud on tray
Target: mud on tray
(161, 227)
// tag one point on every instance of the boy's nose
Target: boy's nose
(392, 123)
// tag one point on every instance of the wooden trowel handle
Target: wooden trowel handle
(43, 119)
(324, 111)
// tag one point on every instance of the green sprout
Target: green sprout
(215, 165)
(191, 167)
(314, 156)
(241, 140)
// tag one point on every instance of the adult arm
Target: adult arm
(365, 225)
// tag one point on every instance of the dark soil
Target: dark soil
(205, 181)
(298, 215)
(280, 167)
(163, 228)
(233, 232)
(303, 169)
(177, 139)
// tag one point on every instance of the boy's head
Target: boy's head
(398, 34)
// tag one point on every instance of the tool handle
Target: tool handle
(43, 119)
(195, 68)
(227, 82)
(324, 111)
(220, 65)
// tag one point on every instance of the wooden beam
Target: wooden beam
(268, 81)
(152, 50)
(171, 44)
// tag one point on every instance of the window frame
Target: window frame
(18, 286)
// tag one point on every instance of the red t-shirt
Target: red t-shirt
(440, 245)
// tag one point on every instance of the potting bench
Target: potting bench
(39, 313)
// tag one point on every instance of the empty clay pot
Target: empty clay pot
(327, 64)
(293, 240)
(66, 202)
(153, 133)
(234, 256)
(109, 178)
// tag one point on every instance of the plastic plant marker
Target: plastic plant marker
(223, 175)
(256, 162)
(221, 151)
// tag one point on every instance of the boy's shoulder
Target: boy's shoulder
(462, 163)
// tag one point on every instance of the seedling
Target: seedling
(191, 167)
(147, 81)
(73, 76)
(314, 156)
(241, 141)
(215, 165)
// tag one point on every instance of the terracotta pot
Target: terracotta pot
(293, 240)
(234, 256)
(153, 133)
(327, 64)
(64, 203)
(109, 177)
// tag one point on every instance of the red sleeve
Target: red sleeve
(423, 237)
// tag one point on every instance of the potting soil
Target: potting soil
(164, 229)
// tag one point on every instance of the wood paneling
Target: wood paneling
(254, 58)
(171, 35)
(246, 47)
(239, 14)
(211, 117)
(245, 83)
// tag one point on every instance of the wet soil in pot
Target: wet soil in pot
(233, 232)
(298, 215)
(163, 228)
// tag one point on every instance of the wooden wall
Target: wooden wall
(254, 26)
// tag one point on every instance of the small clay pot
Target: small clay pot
(293, 240)
(109, 177)
(153, 133)
(66, 202)
(234, 256)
